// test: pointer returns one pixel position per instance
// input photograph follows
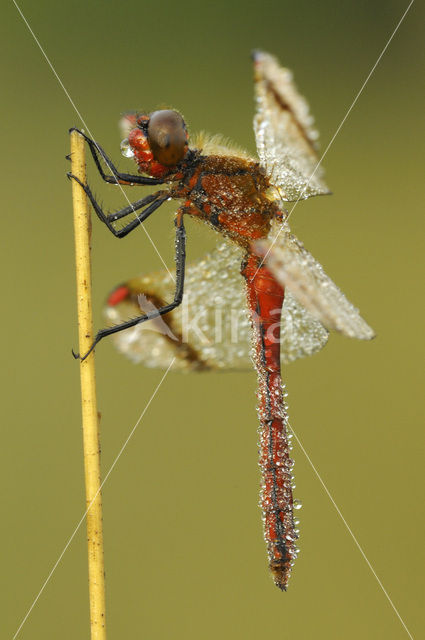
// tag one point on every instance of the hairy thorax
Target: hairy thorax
(230, 194)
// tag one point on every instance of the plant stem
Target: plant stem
(82, 230)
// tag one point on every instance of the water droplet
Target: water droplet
(126, 150)
(297, 504)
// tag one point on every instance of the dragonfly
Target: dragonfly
(281, 302)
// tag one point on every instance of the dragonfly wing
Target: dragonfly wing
(304, 277)
(285, 137)
(210, 330)
(301, 334)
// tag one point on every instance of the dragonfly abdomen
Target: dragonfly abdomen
(265, 300)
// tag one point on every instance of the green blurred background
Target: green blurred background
(184, 551)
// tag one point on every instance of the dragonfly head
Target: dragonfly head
(158, 141)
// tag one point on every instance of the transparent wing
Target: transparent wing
(286, 139)
(305, 279)
(211, 329)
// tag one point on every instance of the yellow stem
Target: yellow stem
(82, 229)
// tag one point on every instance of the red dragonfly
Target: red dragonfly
(259, 266)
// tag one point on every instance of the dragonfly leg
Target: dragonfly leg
(117, 177)
(180, 259)
(154, 201)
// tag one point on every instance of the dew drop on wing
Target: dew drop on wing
(297, 504)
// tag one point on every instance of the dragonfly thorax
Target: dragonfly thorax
(230, 194)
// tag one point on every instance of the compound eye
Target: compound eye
(167, 137)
